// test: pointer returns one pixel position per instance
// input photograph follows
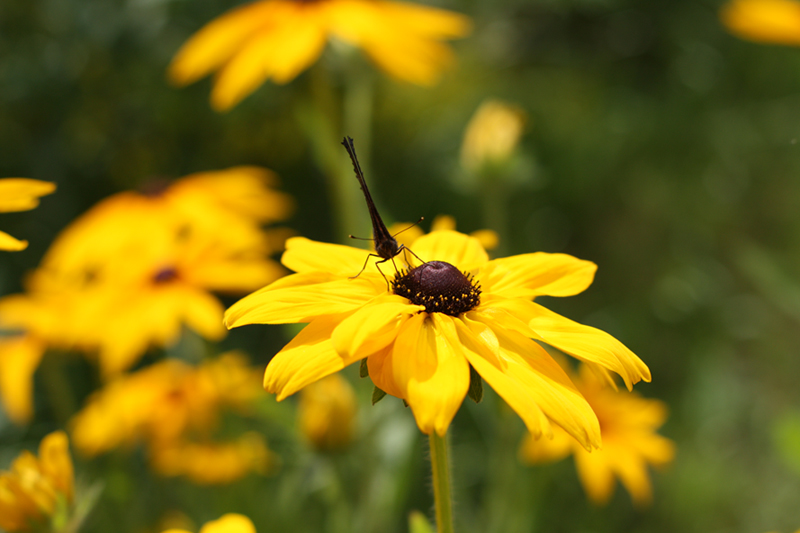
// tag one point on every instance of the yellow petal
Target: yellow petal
(595, 475)
(430, 370)
(546, 450)
(548, 385)
(19, 358)
(308, 357)
(380, 372)
(56, 463)
(462, 251)
(493, 368)
(537, 274)
(305, 255)
(373, 327)
(281, 52)
(301, 303)
(229, 523)
(22, 194)
(217, 41)
(583, 342)
(10, 244)
(765, 21)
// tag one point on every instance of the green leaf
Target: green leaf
(475, 391)
(377, 395)
(363, 371)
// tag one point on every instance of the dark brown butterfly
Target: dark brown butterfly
(386, 246)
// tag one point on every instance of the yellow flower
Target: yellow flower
(213, 463)
(327, 413)
(278, 39)
(129, 273)
(164, 403)
(421, 337)
(20, 194)
(34, 489)
(492, 135)
(628, 424)
(763, 21)
(229, 523)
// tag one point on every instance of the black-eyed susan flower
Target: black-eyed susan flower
(229, 523)
(628, 424)
(35, 489)
(421, 335)
(278, 39)
(763, 21)
(19, 357)
(326, 413)
(20, 194)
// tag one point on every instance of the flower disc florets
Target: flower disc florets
(440, 287)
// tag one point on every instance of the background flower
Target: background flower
(20, 194)
(278, 39)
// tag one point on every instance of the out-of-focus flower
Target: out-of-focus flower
(164, 403)
(36, 489)
(129, 273)
(327, 413)
(421, 336)
(278, 39)
(763, 21)
(20, 194)
(213, 463)
(492, 135)
(628, 424)
(406, 234)
(229, 523)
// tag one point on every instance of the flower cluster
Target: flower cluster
(174, 408)
(36, 489)
(132, 271)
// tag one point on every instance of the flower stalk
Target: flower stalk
(440, 465)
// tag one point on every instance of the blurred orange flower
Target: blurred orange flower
(763, 21)
(35, 489)
(278, 39)
(628, 425)
(20, 194)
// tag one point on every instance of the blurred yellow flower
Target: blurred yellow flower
(763, 21)
(213, 463)
(164, 403)
(455, 311)
(327, 413)
(129, 273)
(35, 489)
(492, 135)
(406, 234)
(229, 523)
(628, 424)
(20, 194)
(278, 39)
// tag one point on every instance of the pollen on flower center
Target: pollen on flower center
(440, 287)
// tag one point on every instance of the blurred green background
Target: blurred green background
(657, 145)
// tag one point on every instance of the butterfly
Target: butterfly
(386, 246)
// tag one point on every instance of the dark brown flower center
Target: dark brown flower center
(165, 275)
(440, 287)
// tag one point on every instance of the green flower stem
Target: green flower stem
(440, 464)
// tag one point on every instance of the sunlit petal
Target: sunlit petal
(537, 274)
(462, 251)
(372, 327)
